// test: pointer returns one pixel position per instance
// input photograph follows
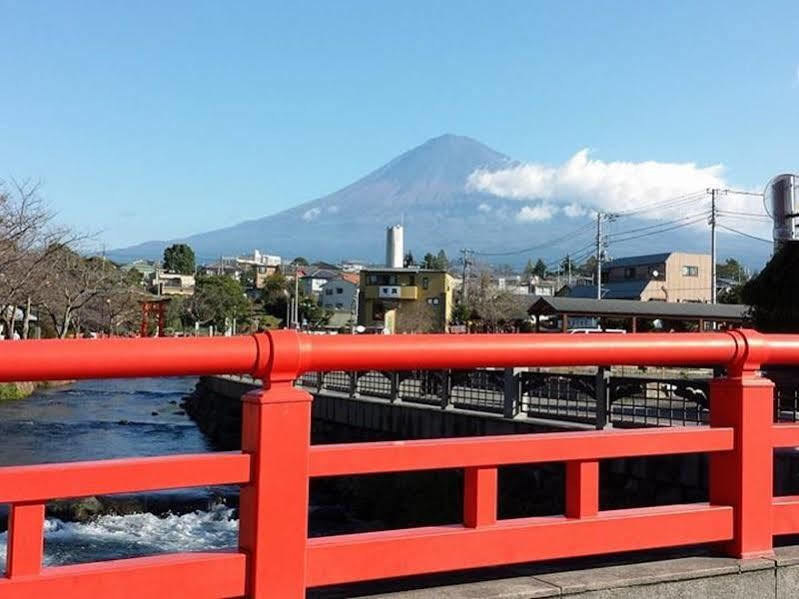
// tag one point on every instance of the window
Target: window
(690, 271)
(629, 272)
(339, 290)
(425, 282)
(371, 280)
(328, 292)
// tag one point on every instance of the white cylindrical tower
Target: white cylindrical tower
(395, 252)
(781, 197)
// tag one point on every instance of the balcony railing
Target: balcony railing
(275, 557)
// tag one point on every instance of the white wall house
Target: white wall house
(338, 295)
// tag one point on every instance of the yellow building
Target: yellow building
(405, 299)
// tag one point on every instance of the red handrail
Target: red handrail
(275, 557)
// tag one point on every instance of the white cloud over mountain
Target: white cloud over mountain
(582, 183)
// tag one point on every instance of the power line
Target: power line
(731, 230)
(661, 224)
(678, 200)
(548, 243)
(686, 224)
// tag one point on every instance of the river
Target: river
(111, 419)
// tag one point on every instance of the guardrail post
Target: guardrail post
(743, 477)
(603, 398)
(445, 391)
(276, 422)
(395, 385)
(512, 393)
(353, 383)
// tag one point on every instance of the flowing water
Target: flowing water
(111, 419)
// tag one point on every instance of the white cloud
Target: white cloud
(311, 214)
(539, 212)
(574, 210)
(484, 208)
(609, 186)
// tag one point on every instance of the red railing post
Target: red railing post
(25, 539)
(743, 477)
(480, 497)
(276, 423)
(582, 489)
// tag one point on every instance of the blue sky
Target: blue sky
(154, 120)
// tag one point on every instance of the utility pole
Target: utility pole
(296, 297)
(569, 269)
(713, 194)
(599, 255)
(465, 289)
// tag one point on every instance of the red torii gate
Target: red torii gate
(157, 307)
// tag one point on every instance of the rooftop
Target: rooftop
(609, 307)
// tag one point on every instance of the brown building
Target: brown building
(667, 277)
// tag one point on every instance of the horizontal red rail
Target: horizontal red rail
(195, 575)
(395, 456)
(79, 479)
(785, 435)
(343, 558)
(67, 359)
(109, 358)
(785, 515)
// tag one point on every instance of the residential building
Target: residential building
(168, 283)
(352, 266)
(259, 265)
(313, 281)
(339, 295)
(666, 277)
(388, 293)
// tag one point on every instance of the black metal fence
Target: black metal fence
(599, 398)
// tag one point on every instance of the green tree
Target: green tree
(540, 269)
(442, 262)
(300, 261)
(529, 269)
(460, 313)
(732, 269)
(217, 299)
(588, 268)
(409, 261)
(179, 258)
(274, 295)
(312, 314)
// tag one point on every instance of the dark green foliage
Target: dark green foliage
(731, 269)
(773, 295)
(217, 298)
(179, 258)
(274, 295)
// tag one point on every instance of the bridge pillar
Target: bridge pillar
(743, 477)
(273, 520)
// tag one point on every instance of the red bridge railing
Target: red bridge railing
(276, 559)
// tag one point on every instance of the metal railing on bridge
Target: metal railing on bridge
(275, 557)
(667, 398)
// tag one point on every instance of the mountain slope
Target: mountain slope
(425, 188)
